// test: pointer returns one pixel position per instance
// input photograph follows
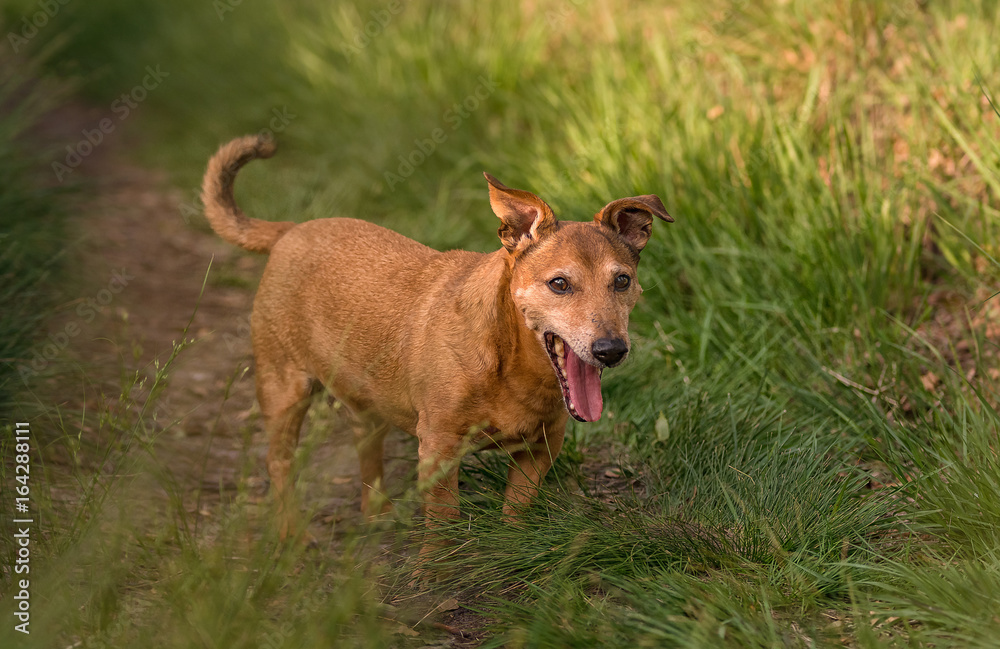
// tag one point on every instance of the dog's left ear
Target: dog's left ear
(632, 218)
(522, 214)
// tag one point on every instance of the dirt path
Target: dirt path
(147, 263)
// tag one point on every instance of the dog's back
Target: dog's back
(357, 339)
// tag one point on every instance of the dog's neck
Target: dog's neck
(508, 343)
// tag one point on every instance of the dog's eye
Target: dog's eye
(622, 282)
(559, 285)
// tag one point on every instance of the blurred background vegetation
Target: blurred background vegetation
(816, 443)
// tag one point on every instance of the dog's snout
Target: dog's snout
(609, 350)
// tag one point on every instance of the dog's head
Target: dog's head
(575, 283)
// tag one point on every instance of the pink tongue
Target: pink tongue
(584, 386)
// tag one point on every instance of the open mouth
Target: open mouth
(580, 381)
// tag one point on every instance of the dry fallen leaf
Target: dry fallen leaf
(402, 629)
(448, 605)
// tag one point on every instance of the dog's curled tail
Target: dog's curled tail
(225, 217)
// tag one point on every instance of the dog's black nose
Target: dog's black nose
(609, 350)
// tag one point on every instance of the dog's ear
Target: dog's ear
(522, 214)
(632, 218)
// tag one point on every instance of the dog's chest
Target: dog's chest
(517, 415)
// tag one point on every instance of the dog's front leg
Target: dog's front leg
(528, 467)
(439, 457)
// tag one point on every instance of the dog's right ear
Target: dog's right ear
(522, 214)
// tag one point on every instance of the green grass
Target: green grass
(832, 171)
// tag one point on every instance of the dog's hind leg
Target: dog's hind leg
(284, 396)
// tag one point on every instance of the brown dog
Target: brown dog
(461, 349)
